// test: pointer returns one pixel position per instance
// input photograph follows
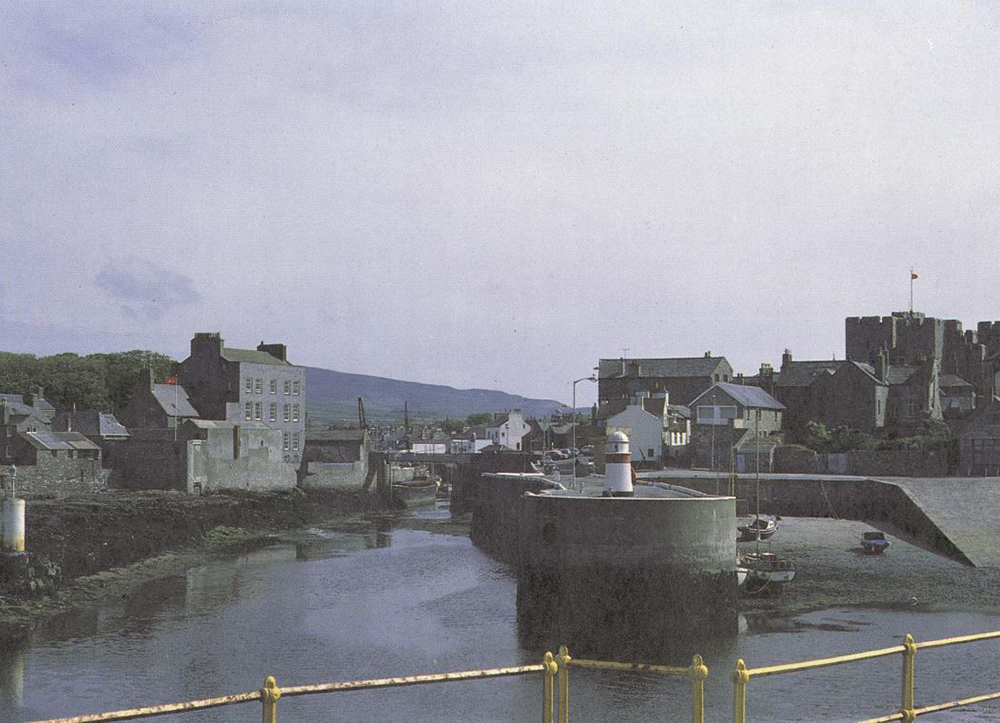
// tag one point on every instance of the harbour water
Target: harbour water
(398, 596)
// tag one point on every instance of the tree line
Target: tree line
(102, 382)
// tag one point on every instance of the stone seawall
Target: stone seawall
(879, 502)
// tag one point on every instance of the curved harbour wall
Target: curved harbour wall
(599, 570)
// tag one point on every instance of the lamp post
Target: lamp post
(591, 378)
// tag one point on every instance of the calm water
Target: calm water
(376, 598)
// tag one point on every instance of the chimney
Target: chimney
(708, 355)
(635, 369)
(35, 397)
(207, 344)
(786, 358)
(882, 366)
(278, 351)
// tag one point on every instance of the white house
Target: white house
(645, 421)
(469, 442)
(508, 429)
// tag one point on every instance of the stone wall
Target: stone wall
(335, 475)
(862, 463)
(58, 476)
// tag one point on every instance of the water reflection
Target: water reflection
(373, 598)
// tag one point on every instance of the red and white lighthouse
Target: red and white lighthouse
(617, 466)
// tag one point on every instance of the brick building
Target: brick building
(247, 385)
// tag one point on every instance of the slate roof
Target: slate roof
(698, 366)
(952, 380)
(499, 420)
(753, 397)
(94, 424)
(867, 369)
(58, 440)
(899, 374)
(15, 402)
(174, 400)
(804, 373)
(680, 409)
(251, 356)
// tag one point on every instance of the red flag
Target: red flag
(912, 276)
(170, 380)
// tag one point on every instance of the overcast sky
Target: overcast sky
(493, 194)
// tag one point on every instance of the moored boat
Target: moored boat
(765, 569)
(759, 528)
(874, 542)
(416, 493)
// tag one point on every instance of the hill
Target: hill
(333, 397)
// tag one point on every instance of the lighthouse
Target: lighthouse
(617, 466)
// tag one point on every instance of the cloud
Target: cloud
(146, 290)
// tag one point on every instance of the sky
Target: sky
(493, 194)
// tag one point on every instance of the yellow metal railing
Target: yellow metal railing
(907, 712)
(549, 668)
(696, 673)
(552, 667)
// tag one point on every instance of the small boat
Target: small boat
(416, 493)
(759, 528)
(765, 569)
(874, 542)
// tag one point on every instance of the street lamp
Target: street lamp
(591, 378)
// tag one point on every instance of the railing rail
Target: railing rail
(696, 673)
(907, 712)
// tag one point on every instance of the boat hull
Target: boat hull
(415, 494)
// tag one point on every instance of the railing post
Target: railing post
(548, 688)
(564, 659)
(740, 677)
(269, 695)
(908, 708)
(697, 672)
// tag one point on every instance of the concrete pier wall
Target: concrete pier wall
(597, 570)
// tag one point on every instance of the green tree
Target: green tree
(474, 420)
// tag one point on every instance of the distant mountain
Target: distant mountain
(333, 397)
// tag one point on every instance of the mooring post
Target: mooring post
(269, 695)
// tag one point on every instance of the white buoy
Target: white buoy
(617, 466)
(13, 525)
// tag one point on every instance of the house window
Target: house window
(286, 412)
(273, 412)
(286, 437)
(295, 388)
(295, 443)
(287, 387)
(274, 386)
(259, 386)
(295, 412)
(256, 411)
(249, 385)
(7, 452)
(248, 412)
(716, 415)
(912, 407)
(651, 453)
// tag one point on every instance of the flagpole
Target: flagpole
(911, 291)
